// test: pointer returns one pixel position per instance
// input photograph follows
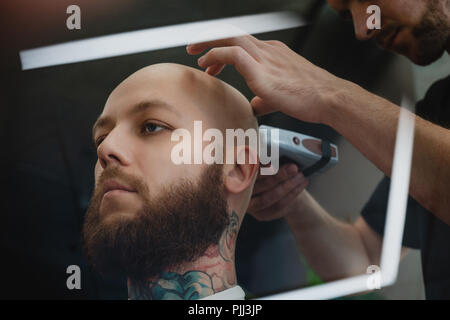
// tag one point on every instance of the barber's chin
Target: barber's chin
(426, 60)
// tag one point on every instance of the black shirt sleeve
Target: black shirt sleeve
(422, 229)
(435, 107)
(374, 213)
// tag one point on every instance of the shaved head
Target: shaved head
(219, 103)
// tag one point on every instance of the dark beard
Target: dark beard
(432, 35)
(174, 228)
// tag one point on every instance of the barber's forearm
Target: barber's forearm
(333, 249)
(370, 122)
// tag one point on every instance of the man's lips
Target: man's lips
(115, 187)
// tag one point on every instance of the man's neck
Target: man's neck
(213, 272)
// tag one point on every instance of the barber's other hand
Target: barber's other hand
(274, 196)
(281, 79)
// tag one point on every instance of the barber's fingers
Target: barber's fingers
(270, 197)
(280, 208)
(267, 182)
(246, 42)
(244, 63)
(261, 107)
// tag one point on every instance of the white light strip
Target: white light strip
(156, 38)
(335, 289)
(398, 195)
(394, 227)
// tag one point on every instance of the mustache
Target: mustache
(117, 173)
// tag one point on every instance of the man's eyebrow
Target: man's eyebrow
(137, 108)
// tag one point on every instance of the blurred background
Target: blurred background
(48, 156)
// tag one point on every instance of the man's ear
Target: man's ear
(242, 174)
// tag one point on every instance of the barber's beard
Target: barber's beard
(174, 228)
(432, 34)
(425, 42)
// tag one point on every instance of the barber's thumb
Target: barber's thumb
(260, 107)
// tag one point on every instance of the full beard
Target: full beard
(174, 228)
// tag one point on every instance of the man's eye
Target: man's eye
(151, 127)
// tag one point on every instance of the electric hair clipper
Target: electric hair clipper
(310, 154)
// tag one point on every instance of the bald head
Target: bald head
(191, 90)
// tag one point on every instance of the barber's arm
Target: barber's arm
(333, 249)
(284, 81)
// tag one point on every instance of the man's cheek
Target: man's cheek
(97, 171)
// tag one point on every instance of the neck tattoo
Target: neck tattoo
(211, 273)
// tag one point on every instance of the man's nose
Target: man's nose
(360, 17)
(114, 150)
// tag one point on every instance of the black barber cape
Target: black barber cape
(422, 229)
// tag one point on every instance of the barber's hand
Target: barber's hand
(281, 79)
(274, 196)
